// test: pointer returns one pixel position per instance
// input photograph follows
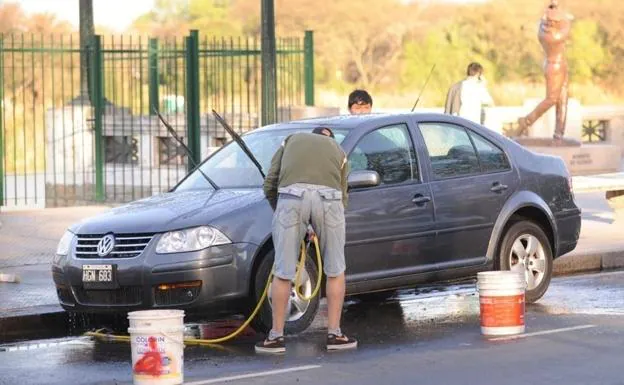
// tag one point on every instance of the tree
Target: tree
(175, 17)
(87, 32)
(11, 18)
(363, 41)
(383, 44)
(588, 53)
(450, 49)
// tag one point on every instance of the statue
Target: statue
(554, 31)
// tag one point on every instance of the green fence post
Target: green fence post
(192, 97)
(98, 110)
(308, 49)
(154, 100)
(268, 64)
(1, 120)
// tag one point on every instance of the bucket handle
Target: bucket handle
(167, 335)
(181, 342)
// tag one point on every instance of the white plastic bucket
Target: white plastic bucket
(157, 345)
(501, 299)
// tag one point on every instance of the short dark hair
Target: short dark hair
(360, 97)
(319, 130)
(474, 68)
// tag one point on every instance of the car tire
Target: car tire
(526, 246)
(301, 320)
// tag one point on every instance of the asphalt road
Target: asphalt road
(574, 335)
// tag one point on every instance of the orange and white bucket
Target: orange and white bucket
(157, 346)
(501, 299)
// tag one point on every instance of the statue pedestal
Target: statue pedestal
(544, 127)
(580, 158)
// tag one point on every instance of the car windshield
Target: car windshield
(230, 167)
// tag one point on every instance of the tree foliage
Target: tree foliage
(175, 17)
(391, 44)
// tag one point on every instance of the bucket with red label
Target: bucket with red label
(157, 346)
(501, 299)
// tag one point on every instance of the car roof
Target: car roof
(354, 121)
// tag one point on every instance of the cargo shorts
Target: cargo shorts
(298, 206)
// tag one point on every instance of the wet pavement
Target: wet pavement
(574, 335)
(28, 240)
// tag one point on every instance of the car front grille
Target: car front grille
(126, 245)
(128, 295)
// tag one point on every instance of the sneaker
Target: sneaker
(268, 346)
(342, 342)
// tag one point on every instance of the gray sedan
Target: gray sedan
(431, 198)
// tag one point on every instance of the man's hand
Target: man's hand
(311, 233)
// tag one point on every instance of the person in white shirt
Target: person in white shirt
(473, 95)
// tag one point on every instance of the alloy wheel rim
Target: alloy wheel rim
(527, 255)
(296, 307)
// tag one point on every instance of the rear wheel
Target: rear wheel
(525, 247)
(299, 313)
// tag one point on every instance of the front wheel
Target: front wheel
(525, 247)
(299, 313)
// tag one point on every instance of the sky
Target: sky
(114, 14)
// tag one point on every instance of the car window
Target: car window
(450, 151)
(230, 167)
(389, 151)
(491, 157)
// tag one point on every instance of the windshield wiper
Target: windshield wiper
(240, 142)
(188, 152)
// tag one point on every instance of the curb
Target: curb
(588, 262)
(33, 326)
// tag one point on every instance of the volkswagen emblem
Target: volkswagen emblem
(106, 245)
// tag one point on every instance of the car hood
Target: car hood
(171, 211)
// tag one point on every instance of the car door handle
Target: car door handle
(497, 187)
(420, 199)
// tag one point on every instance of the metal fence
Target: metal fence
(68, 139)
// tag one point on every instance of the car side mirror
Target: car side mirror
(363, 178)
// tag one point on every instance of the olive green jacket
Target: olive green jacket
(307, 158)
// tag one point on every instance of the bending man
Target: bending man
(307, 184)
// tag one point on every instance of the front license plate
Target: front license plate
(94, 276)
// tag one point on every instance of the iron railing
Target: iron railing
(65, 141)
(595, 130)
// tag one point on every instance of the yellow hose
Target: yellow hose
(215, 341)
(302, 267)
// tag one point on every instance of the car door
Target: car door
(388, 222)
(470, 178)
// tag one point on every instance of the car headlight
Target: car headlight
(193, 239)
(65, 243)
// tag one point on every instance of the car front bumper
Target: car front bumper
(211, 278)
